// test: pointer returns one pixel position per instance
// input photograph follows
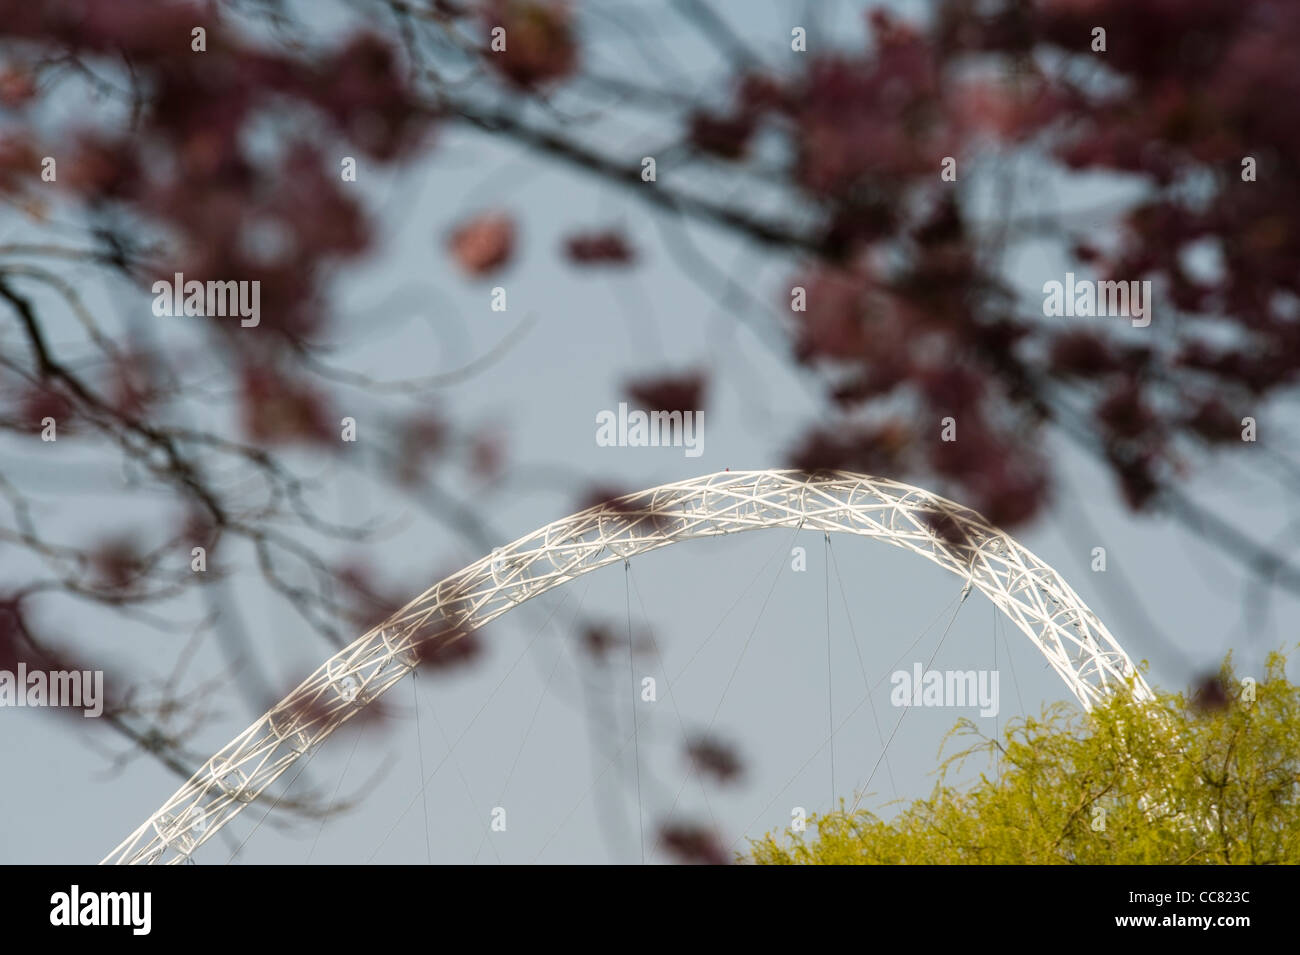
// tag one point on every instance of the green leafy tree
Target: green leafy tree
(1211, 776)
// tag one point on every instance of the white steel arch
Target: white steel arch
(1032, 594)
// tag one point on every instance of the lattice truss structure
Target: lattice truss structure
(1032, 594)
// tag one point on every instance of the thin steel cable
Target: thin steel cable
(907, 706)
(691, 772)
(808, 762)
(753, 630)
(1011, 664)
(258, 825)
(636, 729)
(866, 682)
(469, 726)
(672, 697)
(356, 738)
(559, 655)
(997, 757)
(460, 771)
(419, 742)
(830, 684)
(712, 633)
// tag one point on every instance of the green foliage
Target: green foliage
(1179, 780)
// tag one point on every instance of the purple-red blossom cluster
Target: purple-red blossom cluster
(608, 247)
(540, 46)
(905, 312)
(681, 392)
(693, 844)
(189, 169)
(483, 244)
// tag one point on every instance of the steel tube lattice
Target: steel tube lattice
(1030, 593)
